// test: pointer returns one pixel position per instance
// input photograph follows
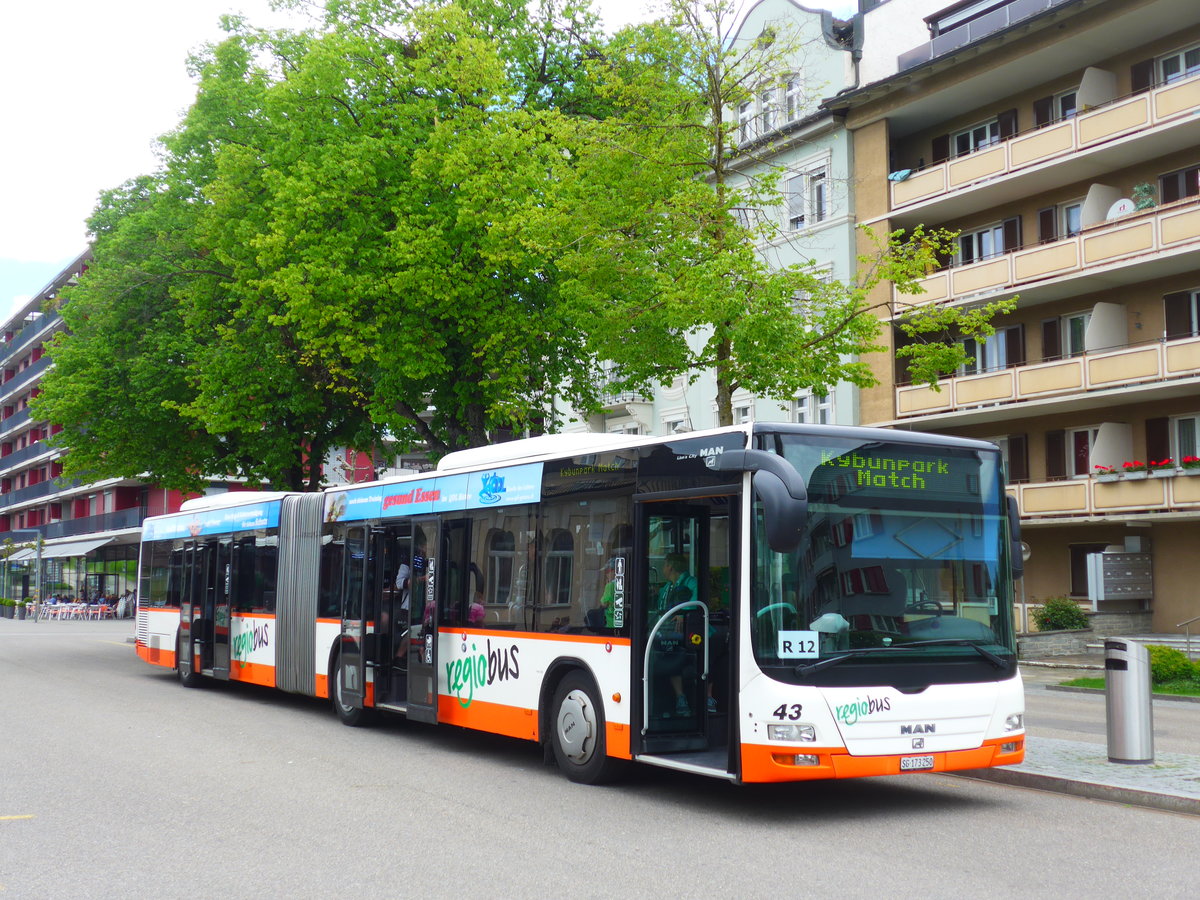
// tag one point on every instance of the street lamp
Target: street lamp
(37, 578)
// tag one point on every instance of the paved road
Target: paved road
(117, 782)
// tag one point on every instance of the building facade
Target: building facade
(1058, 139)
(782, 128)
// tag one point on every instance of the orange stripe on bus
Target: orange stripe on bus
(252, 673)
(513, 721)
(156, 656)
(769, 763)
(539, 636)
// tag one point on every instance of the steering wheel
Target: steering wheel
(926, 605)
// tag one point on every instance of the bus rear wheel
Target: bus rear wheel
(346, 711)
(188, 676)
(577, 732)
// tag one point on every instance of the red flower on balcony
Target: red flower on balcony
(1133, 465)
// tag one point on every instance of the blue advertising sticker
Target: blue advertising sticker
(444, 493)
(213, 521)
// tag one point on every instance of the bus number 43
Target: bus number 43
(788, 712)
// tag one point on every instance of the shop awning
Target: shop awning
(58, 551)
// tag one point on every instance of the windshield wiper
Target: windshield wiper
(844, 655)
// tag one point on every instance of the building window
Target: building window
(1049, 110)
(1003, 350)
(813, 409)
(792, 98)
(745, 121)
(743, 415)
(807, 198)
(977, 137)
(1179, 65)
(1184, 431)
(1182, 314)
(559, 562)
(986, 243)
(1178, 185)
(1070, 219)
(766, 102)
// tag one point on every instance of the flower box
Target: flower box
(1136, 476)
(1108, 476)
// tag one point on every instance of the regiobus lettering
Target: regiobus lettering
(751, 603)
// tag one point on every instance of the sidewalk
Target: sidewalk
(1171, 782)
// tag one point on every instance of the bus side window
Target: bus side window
(329, 595)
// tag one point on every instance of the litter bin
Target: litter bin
(1127, 702)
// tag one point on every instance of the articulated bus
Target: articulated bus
(762, 603)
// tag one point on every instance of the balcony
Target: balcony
(1104, 139)
(1171, 493)
(1133, 248)
(113, 521)
(1164, 367)
(37, 329)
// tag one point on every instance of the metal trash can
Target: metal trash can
(1127, 702)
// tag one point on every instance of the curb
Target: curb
(1179, 698)
(1109, 793)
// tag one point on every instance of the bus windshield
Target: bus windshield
(902, 569)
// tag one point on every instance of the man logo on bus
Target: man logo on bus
(493, 487)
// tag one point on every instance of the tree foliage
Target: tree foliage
(425, 223)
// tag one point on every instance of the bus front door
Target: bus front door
(422, 679)
(682, 634)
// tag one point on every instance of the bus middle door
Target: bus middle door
(351, 673)
(423, 620)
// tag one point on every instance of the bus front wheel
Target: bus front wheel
(577, 732)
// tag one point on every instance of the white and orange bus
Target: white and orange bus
(762, 603)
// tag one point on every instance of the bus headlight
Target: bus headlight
(1015, 722)
(792, 732)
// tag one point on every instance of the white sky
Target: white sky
(88, 86)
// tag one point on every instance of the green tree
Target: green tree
(661, 248)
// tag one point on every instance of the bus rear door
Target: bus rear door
(423, 617)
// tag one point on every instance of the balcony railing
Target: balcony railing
(1095, 371)
(1118, 242)
(976, 29)
(25, 376)
(26, 336)
(37, 491)
(1164, 107)
(113, 521)
(1167, 491)
(18, 457)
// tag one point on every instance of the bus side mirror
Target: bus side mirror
(1016, 553)
(780, 488)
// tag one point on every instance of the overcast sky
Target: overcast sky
(88, 86)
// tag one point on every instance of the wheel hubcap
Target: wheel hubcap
(577, 727)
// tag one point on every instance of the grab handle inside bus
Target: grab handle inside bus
(781, 489)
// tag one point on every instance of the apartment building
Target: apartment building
(1059, 139)
(782, 129)
(90, 531)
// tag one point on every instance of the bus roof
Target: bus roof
(229, 498)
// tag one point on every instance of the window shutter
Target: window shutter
(1056, 454)
(1012, 234)
(1158, 438)
(1007, 121)
(1141, 76)
(1043, 111)
(941, 148)
(1051, 339)
(1191, 182)
(1048, 224)
(1178, 312)
(1018, 458)
(1014, 343)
